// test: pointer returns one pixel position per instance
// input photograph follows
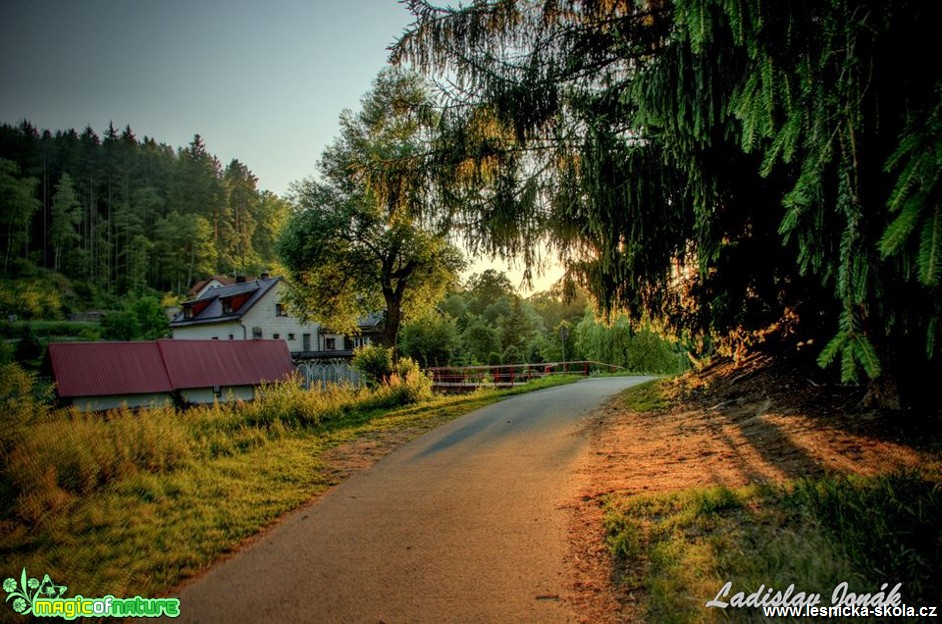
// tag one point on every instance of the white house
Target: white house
(200, 287)
(253, 310)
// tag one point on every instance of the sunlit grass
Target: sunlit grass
(652, 396)
(131, 503)
(677, 550)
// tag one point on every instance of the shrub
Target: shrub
(407, 385)
(30, 299)
(374, 362)
(22, 403)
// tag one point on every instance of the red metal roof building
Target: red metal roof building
(103, 375)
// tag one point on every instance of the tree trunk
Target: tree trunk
(393, 321)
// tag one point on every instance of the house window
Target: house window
(276, 336)
(188, 312)
(330, 344)
(215, 337)
(227, 306)
(290, 336)
(256, 333)
(231, 337)
(217, 391)
(280, 310)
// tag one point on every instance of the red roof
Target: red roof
(208, 363)
(102, 368)
(118, 368)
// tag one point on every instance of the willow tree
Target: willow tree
(735, 170)
(355, 244)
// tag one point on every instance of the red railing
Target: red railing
(507, 375)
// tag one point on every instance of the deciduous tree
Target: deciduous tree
(355, 244)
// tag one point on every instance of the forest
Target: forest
(115, 214)
(733, 174)
(486, 321)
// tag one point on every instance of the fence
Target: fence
(507, 375)
(319, 374)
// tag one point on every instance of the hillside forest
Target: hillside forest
(115, 214)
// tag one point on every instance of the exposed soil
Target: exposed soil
(731, 424)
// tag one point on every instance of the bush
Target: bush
(406, 385)
(374, 362)
(30, 299)
(21, 404)
(512, 355)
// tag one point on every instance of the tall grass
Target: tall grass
(132, 502)
(51, 457)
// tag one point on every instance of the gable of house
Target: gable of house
(224, 303)
(253, 310)
(200, 287)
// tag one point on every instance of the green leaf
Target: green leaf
(931, 332)
(848, 365)
(865, 353)
(830, 351)
(930, 249)
(899, 230)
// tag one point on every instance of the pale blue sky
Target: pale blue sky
(263, 82)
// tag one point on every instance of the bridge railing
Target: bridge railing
(506, 375)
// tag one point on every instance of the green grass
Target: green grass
(677, 550)
(652, 396)
(131, 503)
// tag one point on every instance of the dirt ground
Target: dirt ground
(734, 424)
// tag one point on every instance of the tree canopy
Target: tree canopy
(736, 171)
(355, 244)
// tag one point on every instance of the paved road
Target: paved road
(461, 525)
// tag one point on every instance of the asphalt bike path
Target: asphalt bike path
(464, 524)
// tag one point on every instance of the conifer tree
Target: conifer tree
(738, 170)
(66, 216)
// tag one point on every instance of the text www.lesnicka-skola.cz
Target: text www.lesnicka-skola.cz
(844, 603)
(849, 611)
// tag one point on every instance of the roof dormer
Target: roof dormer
(192, 309)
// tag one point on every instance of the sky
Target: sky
(263, 82)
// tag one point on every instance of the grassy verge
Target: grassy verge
(653, 396)
(132, 503)
(676, 551)
(681, 548)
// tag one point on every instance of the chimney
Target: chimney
(264, 275)
(240, 279)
